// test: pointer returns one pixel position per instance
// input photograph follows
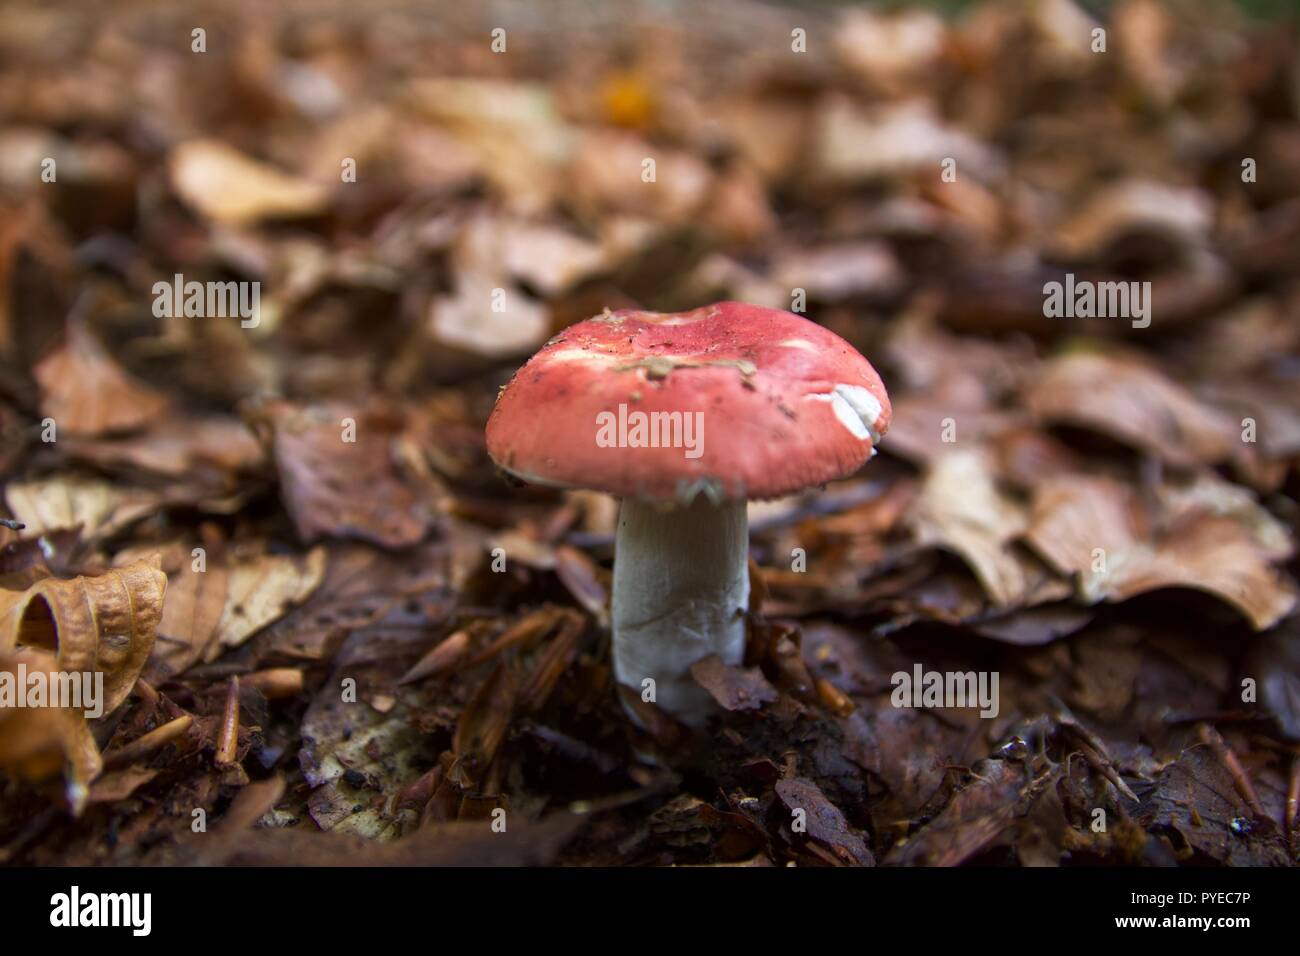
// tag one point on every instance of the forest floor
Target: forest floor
(330, 632)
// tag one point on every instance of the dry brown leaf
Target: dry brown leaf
(337, 487)
(734, 688)
(889, 49)
(1073, 516)
(100, 509)
(1134, 404)
(513, 128)
(837, 272)
(467, 319)
(37, 743)
(488, 313)
(1182, 215)
(960, 509)
(177, 446)
(230, 188)
(105, 623)
(1208, 494)
(1095, 528)
(259, 592)
(550, 259)
(196, 601)
(87, 393)
(854, 145)
(483, 723)
(1215, 555)
(610, 176)
(824, 823)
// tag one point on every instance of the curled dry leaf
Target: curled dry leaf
(1183, 216)
(960, 509)
(1082, 525)
(37, 743)
(86, 392)
(1096, 529)
(1216, 555)
(232, 189)
(103, 624)
(1134, 404)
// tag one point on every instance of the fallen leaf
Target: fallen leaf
(106, 623)
(734, 688)
(98, 508)
(38, 743)
(1134, 404)
(259, 591)
(230, 188)
(338, 475)
(825, 823)
(960, 509)
(86, 392)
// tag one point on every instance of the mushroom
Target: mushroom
(685, 416)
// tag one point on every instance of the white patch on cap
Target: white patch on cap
(677, 318)
(798, 344)
(856, 408)
(581, 355)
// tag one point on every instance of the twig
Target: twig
(1214, 740)
(228, 739)
(130, 753)
(276, 682)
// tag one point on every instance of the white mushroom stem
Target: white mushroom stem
(681, 587)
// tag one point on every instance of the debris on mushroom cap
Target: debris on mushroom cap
(730, 400)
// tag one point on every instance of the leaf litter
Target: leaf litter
(279, 544)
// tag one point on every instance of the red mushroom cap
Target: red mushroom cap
(742, 401)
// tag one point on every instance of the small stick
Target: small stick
(524, 631)
(228, 739)
(11, 524)
(275, 682)
(147, 692)
(150, 742)
(1105, 767)
(1214, 740)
